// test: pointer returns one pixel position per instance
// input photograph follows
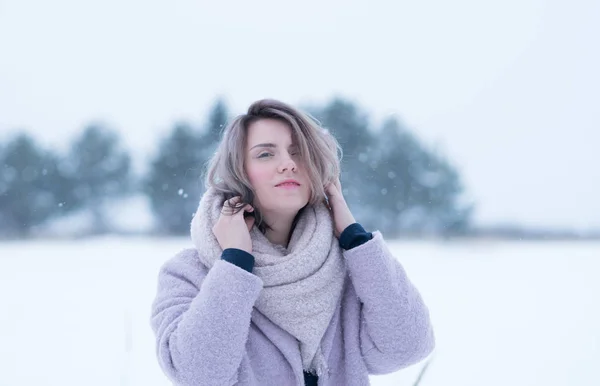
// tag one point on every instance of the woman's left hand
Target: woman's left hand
(342, 217)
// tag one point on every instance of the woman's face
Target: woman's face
(271, 158)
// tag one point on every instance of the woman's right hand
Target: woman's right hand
(233, 230)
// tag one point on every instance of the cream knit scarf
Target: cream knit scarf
(302, 283)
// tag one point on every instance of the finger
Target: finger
(250, 222)
(235, 203)
(229, 205)
(332, 190)
(247, 208)
(232, 202)
(328, 188)
(338, 184)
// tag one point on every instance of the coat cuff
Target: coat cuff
(239, 257)
(353, 236)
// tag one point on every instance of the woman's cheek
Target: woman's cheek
(258, 177)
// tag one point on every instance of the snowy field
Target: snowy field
(76, 313)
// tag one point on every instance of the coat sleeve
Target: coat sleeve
(395, 329)
(201, 320)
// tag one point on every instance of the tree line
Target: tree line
(392, 181)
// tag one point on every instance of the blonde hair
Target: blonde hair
(318, 153)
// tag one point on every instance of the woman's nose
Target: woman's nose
(287, 164)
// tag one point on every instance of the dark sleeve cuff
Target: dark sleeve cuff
(353, 236)
(239, 257)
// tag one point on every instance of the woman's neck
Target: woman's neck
(281, 228)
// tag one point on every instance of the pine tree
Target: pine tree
(32, 187)
(390, 180)
(350, 125)
(217, 119)
(418, 189)
(101, 171)
(175, 180)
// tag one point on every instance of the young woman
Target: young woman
(283, 286)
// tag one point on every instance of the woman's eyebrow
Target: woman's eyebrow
(268, 145)
(264, 145)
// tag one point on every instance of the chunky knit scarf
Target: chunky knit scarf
(302, 283)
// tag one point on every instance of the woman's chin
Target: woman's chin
(291, 206)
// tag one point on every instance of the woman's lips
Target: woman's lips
(288, 185)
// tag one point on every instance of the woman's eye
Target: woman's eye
(263, 154)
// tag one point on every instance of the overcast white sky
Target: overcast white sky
(510, 90)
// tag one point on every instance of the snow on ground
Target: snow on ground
(504, 313)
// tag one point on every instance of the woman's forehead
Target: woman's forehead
(270, 132)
